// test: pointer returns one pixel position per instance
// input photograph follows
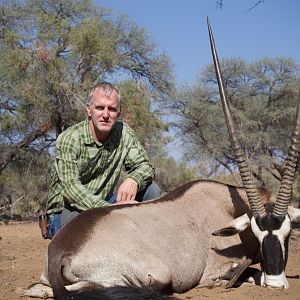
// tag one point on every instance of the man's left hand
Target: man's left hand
(127, 191)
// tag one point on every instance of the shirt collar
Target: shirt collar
(88, 137)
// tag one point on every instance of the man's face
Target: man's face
(103, 112)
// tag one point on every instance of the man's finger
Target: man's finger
(125, 202)
(119, 196)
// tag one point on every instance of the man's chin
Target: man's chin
(104, 128)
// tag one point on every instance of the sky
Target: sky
(178, 27)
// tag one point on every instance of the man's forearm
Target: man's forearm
(142, 175)
(77, 195)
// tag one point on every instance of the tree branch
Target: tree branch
(40, 131)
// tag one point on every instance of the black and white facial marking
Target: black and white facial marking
(273, 234)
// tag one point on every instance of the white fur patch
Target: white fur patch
(294, 214)
(274, 281)
(241, 223)
(37, 290)
(257, 232)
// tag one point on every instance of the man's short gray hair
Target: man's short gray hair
(106, 89)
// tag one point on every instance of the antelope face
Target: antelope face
(272, 233)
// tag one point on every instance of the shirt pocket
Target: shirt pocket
(83, 169)
(89, 170)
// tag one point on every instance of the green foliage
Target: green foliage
(263, 97)
(171, 174)
(136, 110)
(52, 52)
(24, 184)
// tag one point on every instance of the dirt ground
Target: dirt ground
(21, 262)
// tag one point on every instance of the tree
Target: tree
(147, 123)
(171, 174)
(263, 99)
(24, 184)
(52, 52)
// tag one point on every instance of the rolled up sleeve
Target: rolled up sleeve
(138, 166)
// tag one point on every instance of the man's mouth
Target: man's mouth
(105, 122)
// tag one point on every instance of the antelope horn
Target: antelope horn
(255, 202)
(285, 190)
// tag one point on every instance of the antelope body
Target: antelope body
(163, 245)
(167, 244)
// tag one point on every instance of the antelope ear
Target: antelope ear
(294, 214)
(236, 226)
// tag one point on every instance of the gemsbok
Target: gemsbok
(201, 233)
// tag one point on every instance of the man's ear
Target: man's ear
(88, 110)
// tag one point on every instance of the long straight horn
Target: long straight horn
(285, 190)
(248, 182)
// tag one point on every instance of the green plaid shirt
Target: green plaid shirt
(86, 173)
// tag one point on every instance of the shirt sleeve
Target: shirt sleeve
(137, 164)
(67, 152)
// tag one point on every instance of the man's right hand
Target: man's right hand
(127, 190)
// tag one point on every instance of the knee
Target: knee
(54, 224)
(155, 190)
(151, 191)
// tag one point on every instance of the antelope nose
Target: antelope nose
(276, 281)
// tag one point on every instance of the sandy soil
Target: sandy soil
(21, 262)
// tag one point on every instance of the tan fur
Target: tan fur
(164, 244)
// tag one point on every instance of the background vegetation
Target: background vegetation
(52, 52)
(263, 96)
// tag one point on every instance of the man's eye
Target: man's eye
(113, 109)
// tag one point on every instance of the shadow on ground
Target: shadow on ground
(119, 293)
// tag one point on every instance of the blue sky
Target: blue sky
(178, 27)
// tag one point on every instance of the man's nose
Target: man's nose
(105, 112)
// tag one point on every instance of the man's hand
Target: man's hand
(127, 191)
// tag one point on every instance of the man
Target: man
(89, 159)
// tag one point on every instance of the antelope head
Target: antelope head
(270, 226)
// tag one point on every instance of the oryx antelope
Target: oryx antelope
(167, 244)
